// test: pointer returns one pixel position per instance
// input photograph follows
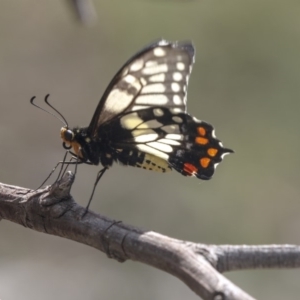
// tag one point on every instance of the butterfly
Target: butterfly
(141, 119)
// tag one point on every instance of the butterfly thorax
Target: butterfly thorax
(87, 148)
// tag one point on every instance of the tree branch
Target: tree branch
(243, 257)
(53, 210)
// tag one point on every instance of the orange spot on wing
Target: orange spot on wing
(190, 169)
(204, 162)
(201, 131)
(212, 152)
(201, 140)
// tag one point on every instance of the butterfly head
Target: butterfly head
(67, 135)
(69, 140)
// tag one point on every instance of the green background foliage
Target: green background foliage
(245, 82)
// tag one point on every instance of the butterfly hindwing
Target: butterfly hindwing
(160, 138)
(156, 76)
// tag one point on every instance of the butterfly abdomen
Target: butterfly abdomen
(154, 163)
(142, 160)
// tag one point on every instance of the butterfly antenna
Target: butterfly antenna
(62, 119)
(60, 114)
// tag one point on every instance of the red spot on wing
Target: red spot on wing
(190, 169)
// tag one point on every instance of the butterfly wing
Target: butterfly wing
(142, 115)
(156, 76)
(159, 138)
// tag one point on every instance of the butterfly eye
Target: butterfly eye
(68, 135)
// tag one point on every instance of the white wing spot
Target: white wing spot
(129, 79)
(158, 52)
(162, 68)
(125, 71)
(133, 81)
(170, 142)
(224, 154)
(150, 150)
(157, 78)
(177, 100)
(158, 112)
(154, 88)
(131, 121)
(138, 132)
(216, 164)
(146, 138)
(138, 107)
(214, 136)
(160, 146)
(152, 100)
(151, 63)
(117, 101)
(174, 136)
(163, 43)
(170, 128)
(180, 66)
(177, 119)
(175, 87)
(137, 65)
(177, 76)
(176, 110)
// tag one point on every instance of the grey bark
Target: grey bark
(53, 210)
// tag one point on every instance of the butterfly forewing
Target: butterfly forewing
(156, 76)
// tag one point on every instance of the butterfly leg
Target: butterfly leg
(77, 162)
(52, 171)
(99, 175)
(62, 172)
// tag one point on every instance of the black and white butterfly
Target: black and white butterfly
(141, 119)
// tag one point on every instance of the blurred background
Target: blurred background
(246, 82)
